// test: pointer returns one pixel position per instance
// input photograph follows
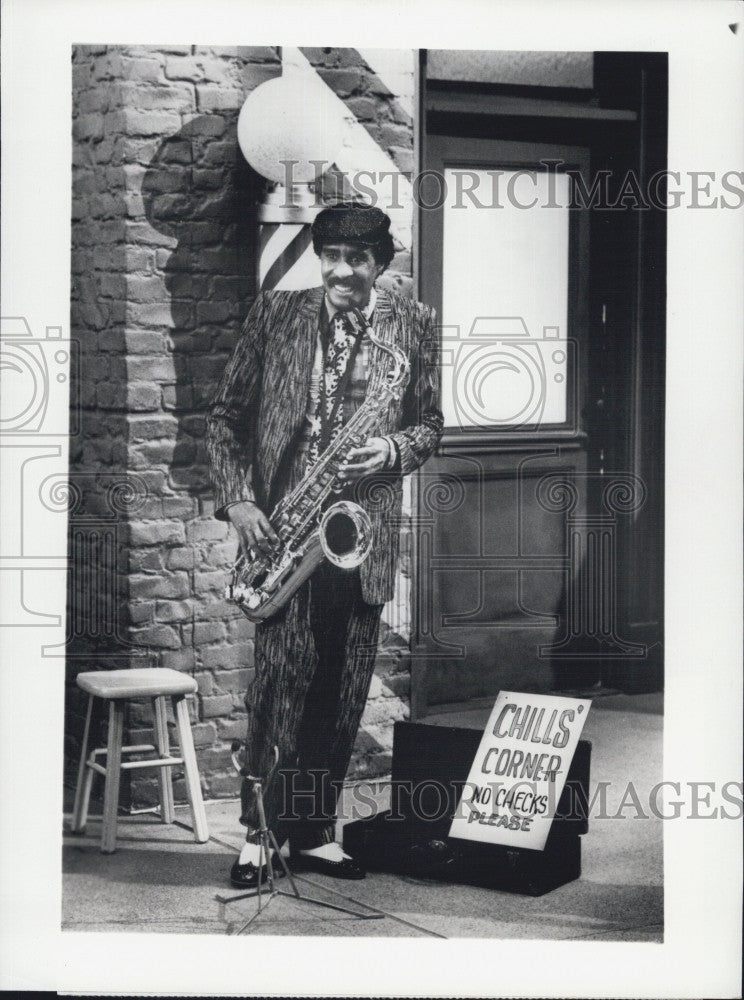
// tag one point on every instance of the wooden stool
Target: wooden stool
(118, 686)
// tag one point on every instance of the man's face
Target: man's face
(348, 271)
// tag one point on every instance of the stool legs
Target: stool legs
(165, 779)
(193, 787)
(84, 778)
(113, 771)
(113, 754)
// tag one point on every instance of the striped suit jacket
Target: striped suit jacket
(255, 422)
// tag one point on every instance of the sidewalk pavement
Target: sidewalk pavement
(160, 880)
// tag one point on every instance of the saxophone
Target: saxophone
(342, 533)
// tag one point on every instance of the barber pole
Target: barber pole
(286, 259)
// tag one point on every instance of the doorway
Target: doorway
(539, 545)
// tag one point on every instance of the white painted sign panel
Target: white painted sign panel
(520, 770)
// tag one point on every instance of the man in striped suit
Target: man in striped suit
(301, 368)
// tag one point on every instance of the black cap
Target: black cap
(350, 222)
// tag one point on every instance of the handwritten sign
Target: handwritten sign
(520, 770)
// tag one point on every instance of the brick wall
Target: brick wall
(163, 262)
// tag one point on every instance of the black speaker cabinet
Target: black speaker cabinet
(430, 767)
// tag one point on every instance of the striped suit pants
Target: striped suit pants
(314, 665)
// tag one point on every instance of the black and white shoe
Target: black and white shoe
(246, 876)
(344, 867)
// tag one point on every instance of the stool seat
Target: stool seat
(147, 682)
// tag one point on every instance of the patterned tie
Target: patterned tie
(327, 425)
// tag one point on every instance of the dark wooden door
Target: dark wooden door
(539, 555)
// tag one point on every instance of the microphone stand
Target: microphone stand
(267, 842)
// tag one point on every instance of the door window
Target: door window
(505, 290)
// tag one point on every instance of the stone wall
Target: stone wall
(163, 263)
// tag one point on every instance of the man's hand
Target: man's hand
(374, 456)
(253, 528)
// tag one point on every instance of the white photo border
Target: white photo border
(701, 954)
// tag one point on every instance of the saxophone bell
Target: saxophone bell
(345, 534)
